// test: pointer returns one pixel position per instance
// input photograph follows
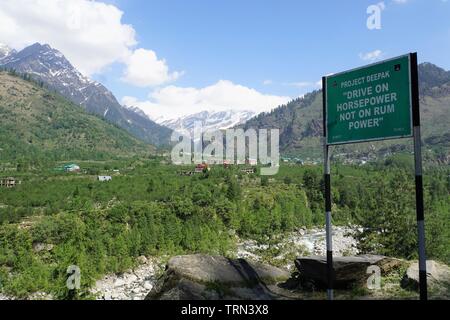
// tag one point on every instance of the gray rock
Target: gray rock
(438, 274)
(38, 247)
(148, 285)
(347, 270)
(5, 297)
(132, 284)
(40, 296)
(199, 277)
(119, 282)
(142, 259)
(107, 295)
(220, 269)
(131, 278)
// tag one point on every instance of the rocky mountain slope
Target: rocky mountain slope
(35, 122)
(48, 65)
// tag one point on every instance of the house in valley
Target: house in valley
(200, 168)
(9, 182)
(72, 167)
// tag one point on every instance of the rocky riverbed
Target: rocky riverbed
(135, 284)
(303, 242)
(131, 285)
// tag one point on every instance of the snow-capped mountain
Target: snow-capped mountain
(217, 120)
(51, 67)
(5, 51)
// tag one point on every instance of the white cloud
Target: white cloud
(371, 56)
(301, 84)
(145, 70)
(89, 33)
(172, 101)
(267, 82)
(400, 1)
(305, 85)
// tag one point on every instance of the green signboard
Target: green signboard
(369, 103)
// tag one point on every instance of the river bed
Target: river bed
(135, 284)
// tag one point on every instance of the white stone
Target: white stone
(131, 278)
(142, 259)
(119, 282)
(136, 290)
(148, 285)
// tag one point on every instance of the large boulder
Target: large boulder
(438, 275)
(348, 270)
(199, 277)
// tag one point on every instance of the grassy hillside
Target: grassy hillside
(36, 123)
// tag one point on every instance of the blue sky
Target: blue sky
(173, 57)
(285, 42)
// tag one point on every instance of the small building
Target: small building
(72, 168)
(226, 163)
(104, 178)
(9, 182)
(200, 168)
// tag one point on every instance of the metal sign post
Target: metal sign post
(327, 179)
(376, 102)
(418, 175)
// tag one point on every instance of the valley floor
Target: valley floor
(122, 233)
(136, 283)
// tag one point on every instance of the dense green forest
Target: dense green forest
(150, 209)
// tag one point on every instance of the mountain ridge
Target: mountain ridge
(36, 123)
(48, 65)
